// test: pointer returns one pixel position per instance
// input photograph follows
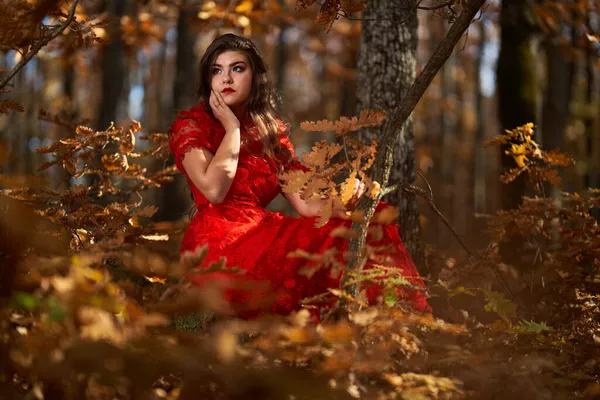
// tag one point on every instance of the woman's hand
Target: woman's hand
(359, 190)
(222, 112)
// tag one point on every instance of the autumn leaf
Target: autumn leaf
(318, 157)
(388, 215)
(7, 105)
(191, 259)
(147, 212)
(302, 4)
(245, 6)
(352, 6)
(294, 180)
(325, 213)
(327, 14)
(127, 143)
(84, 131)
(115, 162)
(347, 188)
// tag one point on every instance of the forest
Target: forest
(478, 120)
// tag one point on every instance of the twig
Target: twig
(38, 45)
(429, 198)
(421, 193)
(397, 118)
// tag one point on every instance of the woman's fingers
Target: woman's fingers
(215, 98)
(211, 101)
(361, 189)
(220, 97)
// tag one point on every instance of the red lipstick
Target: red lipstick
(227, 90)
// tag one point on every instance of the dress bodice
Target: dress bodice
(256, 182)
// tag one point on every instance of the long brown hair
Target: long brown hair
(262, 100)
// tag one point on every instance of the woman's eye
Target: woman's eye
(214, 71)
(240, 69)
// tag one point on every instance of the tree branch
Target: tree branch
(389, 138)
(39, 45)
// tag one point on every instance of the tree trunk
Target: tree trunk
(559, 79)
(113, 66)
(448, 148)
(479, 186)
(516, 83)
(560, 72)
(173, 206)
(386, 69)
(592, 175)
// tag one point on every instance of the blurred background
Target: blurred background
(145, 69)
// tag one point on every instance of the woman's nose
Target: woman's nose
(227, 78)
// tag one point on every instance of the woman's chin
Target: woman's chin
(233, 103)
(230, 101)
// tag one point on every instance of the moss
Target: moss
(198, 321)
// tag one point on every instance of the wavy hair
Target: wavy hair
(261, 102)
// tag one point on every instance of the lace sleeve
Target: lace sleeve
(293, 163)
(187, 134)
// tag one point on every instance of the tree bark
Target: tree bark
(391, 132)
(386, 69)
(479, 187)
(516, 83)
(592, 175)
(559, 80)
(113, 66)
(173, 205)
(560, 72)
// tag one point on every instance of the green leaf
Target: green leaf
(390, 297)
(26, 301)
(56, 312)
(460, 290)
(496, 302)
(530, 327)
(397, 281)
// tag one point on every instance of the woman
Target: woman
(231, 150)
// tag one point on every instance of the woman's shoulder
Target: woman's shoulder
(197, 112)
(195, 118)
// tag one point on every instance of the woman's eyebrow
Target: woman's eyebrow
(231, 65)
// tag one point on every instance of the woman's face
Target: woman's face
(232, 77)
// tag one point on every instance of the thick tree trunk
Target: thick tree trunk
(560, 72)
(559, 79)
(516, 83)
(386, 69)
(592, 175)
(186, 78)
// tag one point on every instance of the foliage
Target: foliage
(110, 296)
(93, 305)
(530, 157)
(96, 155)
(553, 16)
(318, 183)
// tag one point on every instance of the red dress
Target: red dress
(257, 240)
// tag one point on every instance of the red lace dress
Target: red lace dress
(257, 240)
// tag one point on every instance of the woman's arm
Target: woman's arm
(213, 174)
(302, 207)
